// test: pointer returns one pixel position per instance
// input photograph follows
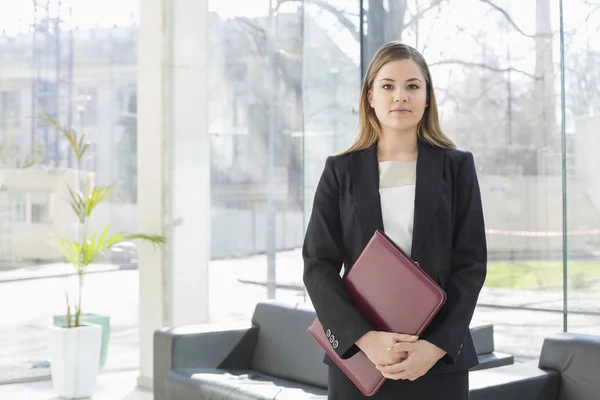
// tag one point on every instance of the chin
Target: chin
(401, 127)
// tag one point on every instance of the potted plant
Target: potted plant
(75, 341)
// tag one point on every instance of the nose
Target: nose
(401, 95)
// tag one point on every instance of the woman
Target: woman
(404, 176)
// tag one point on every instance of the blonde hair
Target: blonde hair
(369, 131)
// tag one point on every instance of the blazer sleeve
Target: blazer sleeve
(323, 256)
(469, 260)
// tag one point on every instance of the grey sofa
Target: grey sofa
(568, 369)
(270, 357)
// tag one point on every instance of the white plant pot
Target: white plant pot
(75, 360)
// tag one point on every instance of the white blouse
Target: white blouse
(397, 181)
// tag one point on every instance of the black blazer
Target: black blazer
(449, 244)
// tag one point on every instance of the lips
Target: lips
(401, 110)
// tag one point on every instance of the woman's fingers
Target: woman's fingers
(395, 369)
(402, 346)
(401, 337)
(414, 377)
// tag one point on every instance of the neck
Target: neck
(397, 147)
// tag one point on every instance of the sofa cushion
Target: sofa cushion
(284, 348)
(577, 358)
(216, 384)
(523, 381)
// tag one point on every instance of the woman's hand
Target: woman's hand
(422, 355)
(379, 346)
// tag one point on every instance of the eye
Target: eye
(413, 87)
(387, 86)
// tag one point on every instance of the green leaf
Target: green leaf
(95, 197)
(77, 202)
(84, 148)
(112, 240)
(71, 251)
(90, 251)
(83, 255)
(154, 239)
(78, 145)
(103, 235)
(103, 243)
(76, 211)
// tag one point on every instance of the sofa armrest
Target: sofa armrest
(493, 360)
(483, 338)
(577, 358)
(222, 345)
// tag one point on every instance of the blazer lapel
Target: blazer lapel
(365, 188)
(430, 165)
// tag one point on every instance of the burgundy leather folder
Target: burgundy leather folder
(394, 294)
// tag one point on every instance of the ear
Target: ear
(370, 96)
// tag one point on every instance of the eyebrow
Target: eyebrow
(408, 80)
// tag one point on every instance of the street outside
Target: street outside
(28, 306)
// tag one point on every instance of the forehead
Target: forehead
(400, 70)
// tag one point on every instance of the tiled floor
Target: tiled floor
(111, 386)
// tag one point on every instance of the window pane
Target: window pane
(496, 89)
(77, 61)
(255, 109)
(582, 95)
(331, 85)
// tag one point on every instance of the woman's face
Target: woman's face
(399, 96)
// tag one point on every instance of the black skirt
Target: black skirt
(453, 386)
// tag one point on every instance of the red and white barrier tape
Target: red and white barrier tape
(502, 232)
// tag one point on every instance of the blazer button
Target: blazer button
(331, 339)
(328, 333)
(335, 344)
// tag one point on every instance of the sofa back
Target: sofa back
(577, 358)
(284, 348)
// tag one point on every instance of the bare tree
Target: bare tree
(384, 25)
(523, 111)
(247, 59)
(581, 64)
(583, 82)
(547, 134)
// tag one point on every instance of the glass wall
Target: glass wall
(284, 84)
(582, 110)
(497, 76)
(77, 61)
(255, 123)
(332, 83)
